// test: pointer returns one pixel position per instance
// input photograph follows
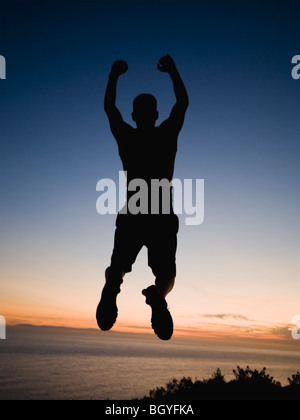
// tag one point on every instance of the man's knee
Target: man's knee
(165, 283)
(114, 275)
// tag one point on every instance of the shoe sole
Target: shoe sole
(162, 323)
(106, 314)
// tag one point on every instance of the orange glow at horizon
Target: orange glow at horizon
(222, 306)
(225, 333)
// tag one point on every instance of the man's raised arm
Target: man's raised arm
(167, 65)
(118, 68)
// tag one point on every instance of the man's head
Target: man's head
(145, 111)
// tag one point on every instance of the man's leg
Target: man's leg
(165, 283)
(162, 252)
(127, 245)
(162, 246)
(107, 310)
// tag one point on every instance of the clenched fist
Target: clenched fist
(119, 67)
(166, 64)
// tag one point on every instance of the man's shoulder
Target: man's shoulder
(122, 130)
(168, 128)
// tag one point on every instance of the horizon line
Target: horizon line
(180, 333)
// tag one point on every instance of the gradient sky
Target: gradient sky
(238, 272)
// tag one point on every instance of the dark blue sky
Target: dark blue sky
(241, 132)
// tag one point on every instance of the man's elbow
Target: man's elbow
(182, 104)
(185, 102)
(108, 108)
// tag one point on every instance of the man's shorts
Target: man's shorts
(157, 232)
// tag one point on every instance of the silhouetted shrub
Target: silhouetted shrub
(295, 381)
(254, 384)
(247, 384)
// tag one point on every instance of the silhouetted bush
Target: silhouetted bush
(295, 381)
(247, 384)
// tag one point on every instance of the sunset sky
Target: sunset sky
(238, 272)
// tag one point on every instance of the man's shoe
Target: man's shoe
(107, 310)
(162, 322)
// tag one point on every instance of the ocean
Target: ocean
(48, 363)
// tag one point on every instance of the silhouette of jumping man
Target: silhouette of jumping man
(147, 152)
